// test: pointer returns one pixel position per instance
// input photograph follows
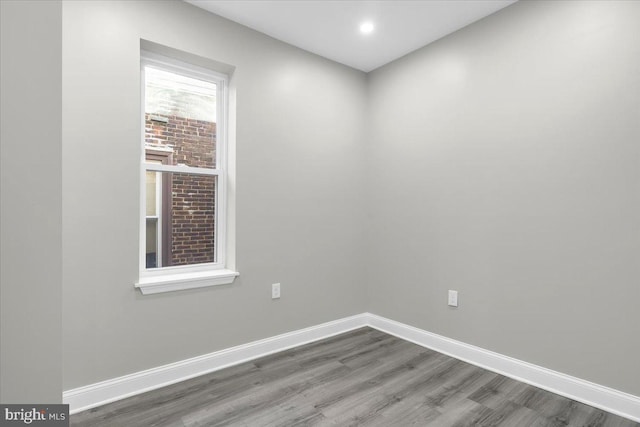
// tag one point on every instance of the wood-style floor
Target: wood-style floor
(364, 377)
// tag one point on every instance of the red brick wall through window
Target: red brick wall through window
(192, 208)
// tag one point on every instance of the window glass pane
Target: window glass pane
(152, 243)
(152, 190)
(186, 219)
(180, 118)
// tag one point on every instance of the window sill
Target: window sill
(181, 281)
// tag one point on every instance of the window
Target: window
(183, 176)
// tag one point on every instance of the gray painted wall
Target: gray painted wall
(30, 224)
(504, 162)
(300, 121)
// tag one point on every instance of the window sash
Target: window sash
(149, 59)
(182, 169)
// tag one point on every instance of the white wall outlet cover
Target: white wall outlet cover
(453, 298)
(275, 291)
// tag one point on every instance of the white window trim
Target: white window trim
(174, 278)
(190, 280)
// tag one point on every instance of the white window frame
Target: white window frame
(173, 278)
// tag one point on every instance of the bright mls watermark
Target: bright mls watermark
(34, 415)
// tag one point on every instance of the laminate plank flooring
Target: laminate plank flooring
(364, 377)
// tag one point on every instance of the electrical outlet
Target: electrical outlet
(275, 291)
(453, 298)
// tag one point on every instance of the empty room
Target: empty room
(283, 213)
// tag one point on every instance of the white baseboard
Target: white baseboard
(605, 398)
(610, 400)
(83, 398)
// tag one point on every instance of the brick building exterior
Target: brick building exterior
(189, 216)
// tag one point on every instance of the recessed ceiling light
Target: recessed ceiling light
(366, 27)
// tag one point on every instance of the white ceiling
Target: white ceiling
(330, 28)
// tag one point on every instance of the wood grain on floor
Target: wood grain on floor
(364, 377)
